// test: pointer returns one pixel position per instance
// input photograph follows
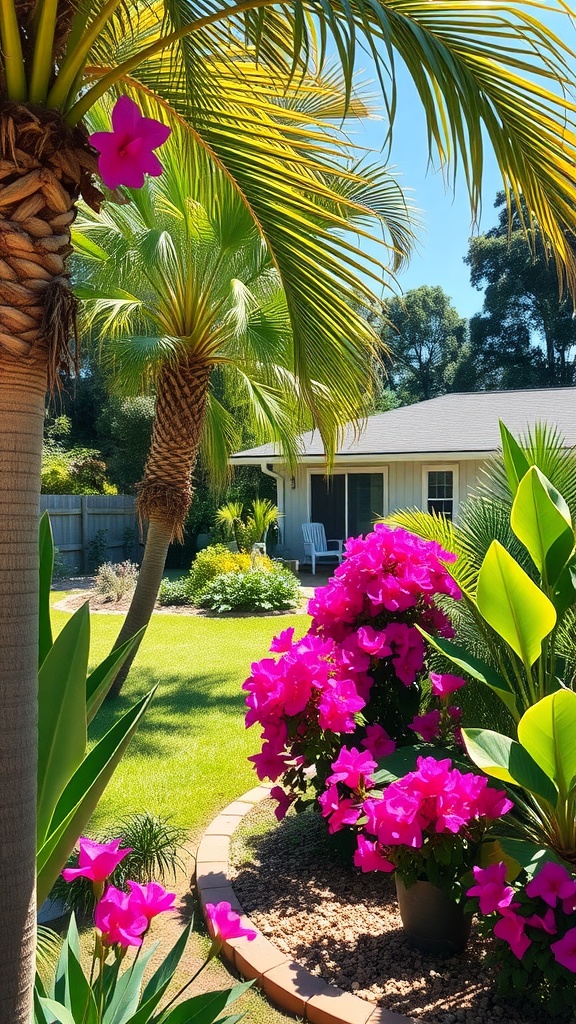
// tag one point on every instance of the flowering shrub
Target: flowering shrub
(536, 926)
(115, 580)
(428, 824)
(213, 561)
(122, 920)
(274, 589)
(359, 667)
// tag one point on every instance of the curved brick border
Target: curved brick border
(285, 982)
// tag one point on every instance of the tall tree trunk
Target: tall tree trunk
(165, 493)
(22, 391)
(43, 165)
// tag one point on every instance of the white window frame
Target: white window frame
(442, 467)
(340, 470)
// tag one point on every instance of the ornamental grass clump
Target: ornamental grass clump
(359, 669)
(535, 925)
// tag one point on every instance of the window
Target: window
(440, 486)
(347, 503)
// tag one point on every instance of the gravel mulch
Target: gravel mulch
(344, 926)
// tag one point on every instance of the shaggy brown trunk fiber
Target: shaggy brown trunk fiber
(42, 168)
(165, 493)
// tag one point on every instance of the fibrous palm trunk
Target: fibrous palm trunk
(165, 492)
(40, 178)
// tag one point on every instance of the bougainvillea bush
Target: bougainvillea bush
(535, 925)
(358, 672)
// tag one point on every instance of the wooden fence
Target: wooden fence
(93, 527)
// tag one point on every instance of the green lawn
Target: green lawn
(188, 758)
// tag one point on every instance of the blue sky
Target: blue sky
(443, 240)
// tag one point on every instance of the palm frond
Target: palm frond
(544, 447)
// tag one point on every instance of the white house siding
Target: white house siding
(404, 491)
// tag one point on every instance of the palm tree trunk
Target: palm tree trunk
(43, 166)
(165, 492)
(22, 391)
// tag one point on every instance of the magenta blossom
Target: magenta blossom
(491, 888)
(284, 801)
(126, 153)
(97, 860)
(224, 923)
(120, 921)
(553, 882)
(565, 950)
(353, 768)
(443, 683)
(427, 726)
(546, 922)
(150, 899)
(377, 742)
(510, 928)
(283, 642)
(368, 857)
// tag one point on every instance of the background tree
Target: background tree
(427, 341)
(525, 335)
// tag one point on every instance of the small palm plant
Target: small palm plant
(251, 530)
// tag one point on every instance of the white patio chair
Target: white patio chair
(316, 545)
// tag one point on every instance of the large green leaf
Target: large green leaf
(203, 1009)
(515, 462)
(62, 735)
(46, 544)
(541, 519)
(55, 1013)
(513, 605)
(126, 994)
(548, 732)
(528, 856)
(79, 799)
(100, 680)
(505, 759)
(161, 978)
(476, 668)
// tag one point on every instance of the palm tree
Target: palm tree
(181, 283)
(483, 71)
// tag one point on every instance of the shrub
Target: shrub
(274, 589)
(115, 580)
(156, 846)
(214, 561)
(174, 592)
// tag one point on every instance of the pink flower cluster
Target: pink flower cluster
(443, 722)
(416, 809)
(121, 917)
(520, 923)
(322, 686)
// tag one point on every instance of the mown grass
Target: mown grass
(189, 756)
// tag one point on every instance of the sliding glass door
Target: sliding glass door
(347, 503)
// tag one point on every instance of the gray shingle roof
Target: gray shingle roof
(451, 423)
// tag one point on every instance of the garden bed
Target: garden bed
(344, 926)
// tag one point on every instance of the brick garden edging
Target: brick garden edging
(285, 982)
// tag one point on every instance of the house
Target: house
(427, 455)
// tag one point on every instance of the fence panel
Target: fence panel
(91, 528)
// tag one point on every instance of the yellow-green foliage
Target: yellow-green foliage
(214, 561)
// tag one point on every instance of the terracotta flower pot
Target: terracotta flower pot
(433, 922)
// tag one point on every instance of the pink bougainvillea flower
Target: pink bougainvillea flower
(224, 923)
(493, 803)
(373, 641)
(546, 923)
(510, 928)
(150, 899)
(427, 726)
(283, 642)
(491, 889)
(97, 860)
(352, 767)
(268, 763)
(564, 950)
(126, 153)
(369, 858)
(120, 921)
(553, 882)
(284, 801)
(444, 683)
(377, 741)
